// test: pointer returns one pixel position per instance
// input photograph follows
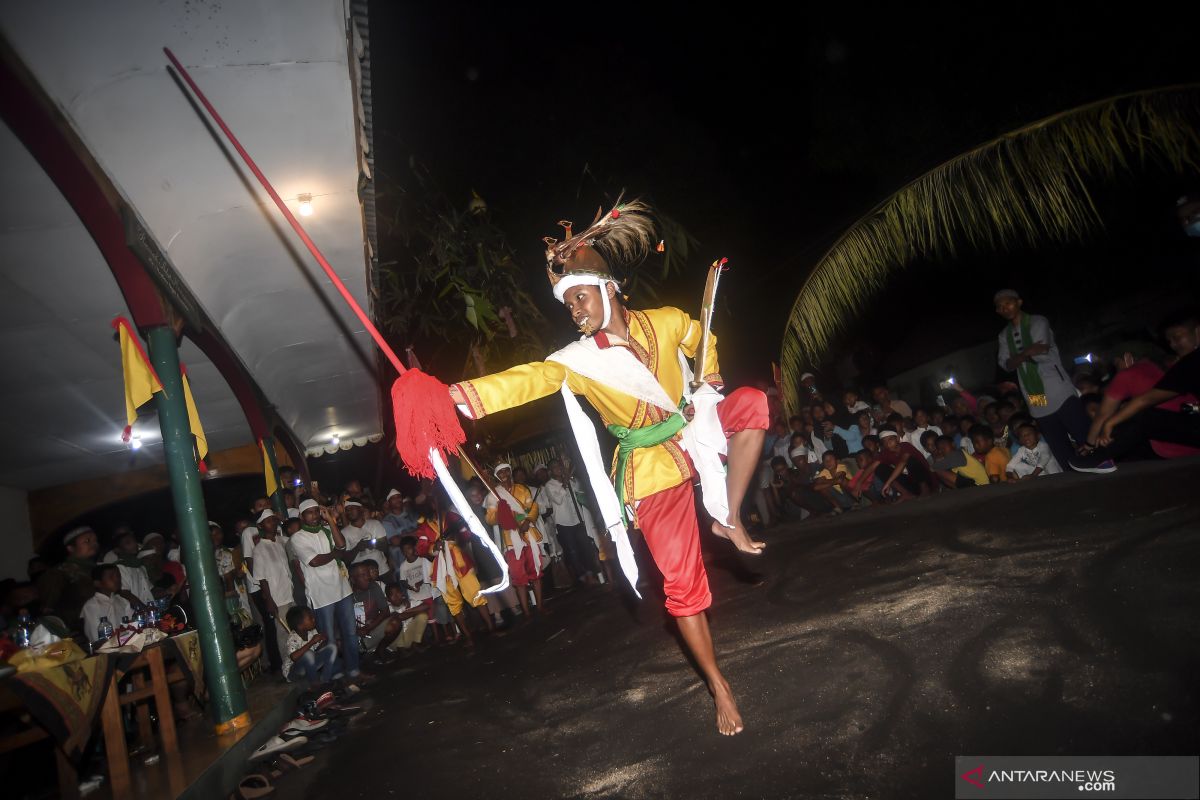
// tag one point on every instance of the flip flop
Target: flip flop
(254, 786)
(276, 745)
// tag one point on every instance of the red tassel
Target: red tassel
(504, 516)
(202, 466)
(126, 434)
(425, 419)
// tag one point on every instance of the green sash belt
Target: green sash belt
(630, 439)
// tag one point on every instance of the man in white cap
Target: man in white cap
(903, 467)
(520, 539)
(365, 538)
(1026, 346)
(400, 520)
(321, 550)
(65, 587)
(274, 576)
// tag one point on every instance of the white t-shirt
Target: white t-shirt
(327, 583)
(560, 501)
(294, 642)
(412, 572)
(1025, 461)
(371, 528)
(135, 581)
(249, 540)
(271, 565)
(102, 605)
(914, 438)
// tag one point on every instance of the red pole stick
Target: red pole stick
(287, 213)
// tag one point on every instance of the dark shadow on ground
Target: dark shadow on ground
(1057, 617)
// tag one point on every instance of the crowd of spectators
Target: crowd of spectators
(1136, 400)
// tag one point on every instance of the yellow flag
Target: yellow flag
(140, 381)
(272, 482)
(194, 420)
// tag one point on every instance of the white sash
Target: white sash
(704, 437)
(519, 540)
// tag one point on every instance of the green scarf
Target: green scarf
(1031, 379)
(630, 439)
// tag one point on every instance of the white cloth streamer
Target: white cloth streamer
(468, 514)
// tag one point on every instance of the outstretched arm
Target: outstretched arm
(508, 389)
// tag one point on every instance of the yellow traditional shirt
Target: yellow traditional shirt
(656, 336)
(528, 510)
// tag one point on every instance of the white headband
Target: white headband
(572, 279)
(496, 469)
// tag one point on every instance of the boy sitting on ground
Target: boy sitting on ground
(310, 656)
(993, 458)
(955, 467)
(1034, 458)
(413, 615)
(831, 482)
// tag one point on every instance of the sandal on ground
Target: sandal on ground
(253, 787)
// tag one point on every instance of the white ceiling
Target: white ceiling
(278, 73)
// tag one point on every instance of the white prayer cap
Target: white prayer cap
(293, 513)
(75, 533)
(307, 504)
(888, 434)
(496, 469)
(798, 452)
(391, 494)
(1005, 293)
(212, 524)
(808, 375)
(540, 467)
(150, 536)
(349, 503)
(267, 514)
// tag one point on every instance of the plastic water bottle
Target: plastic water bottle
(104, 630)
(24, 629)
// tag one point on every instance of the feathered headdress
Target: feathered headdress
(624, 236)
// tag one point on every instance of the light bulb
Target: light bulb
(335, 440)
(306, 208)
(135, 443)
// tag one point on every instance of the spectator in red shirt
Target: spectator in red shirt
(1136, 375)
(909, 474)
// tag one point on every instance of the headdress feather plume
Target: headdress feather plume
(624, 236)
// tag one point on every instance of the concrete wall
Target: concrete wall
(16, 542)
(973, 367)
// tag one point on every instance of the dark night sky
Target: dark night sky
(765, 134)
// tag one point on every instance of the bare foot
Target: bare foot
(729, 721)
(740, 538)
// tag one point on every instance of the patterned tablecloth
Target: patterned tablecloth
(66, 699)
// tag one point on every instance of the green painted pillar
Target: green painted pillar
(227, 697)
(277, 501)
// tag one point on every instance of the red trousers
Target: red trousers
(668, 518)
(521, 570)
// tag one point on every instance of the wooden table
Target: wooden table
(158, 690)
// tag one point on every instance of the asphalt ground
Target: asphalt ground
(866, 652)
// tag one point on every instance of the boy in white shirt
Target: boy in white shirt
(106, 603)
(310, 656)
(1034, 457)
(273, 573)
